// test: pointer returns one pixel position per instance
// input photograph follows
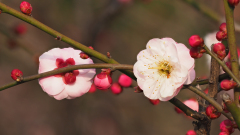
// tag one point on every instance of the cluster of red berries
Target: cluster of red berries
(197, 43)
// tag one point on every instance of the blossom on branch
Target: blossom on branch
(163, 68)
(69, 84)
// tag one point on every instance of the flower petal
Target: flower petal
(184, 56)
(191, 76)
(52, 85)
(61, 95)
(80, 87)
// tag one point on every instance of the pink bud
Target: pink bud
(233, 2)
(221, 35)
(20, 29)
(92, 89)
(102, 81)
(228, 64)
(227, 84)
(223, 133)
(26, 8)
(108, 71)
(154, 101)
(219, 49)
(212, 112)
(195, 41)
(223, 27)
(178, 110)
(224, 108)
(83, 55)
(116, 88)
(195, 52)
(16, 75)
(227, 126)
(191, 132)
(124, 80)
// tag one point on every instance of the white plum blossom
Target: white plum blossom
(65, 85)
(163, 68)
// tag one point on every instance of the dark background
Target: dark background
(122, 30)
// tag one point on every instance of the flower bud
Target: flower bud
(16, 75)
(154, 101)
(233, 2)
(195, 41)
(212, 112)
(223, 27)
(20, 29)
(224, 108)
(178, 110)
(191, 132)
(102, 81)
(223, 133)
(221, 35)
(92, 89)
(228, 64)
(83, 55)
(228, 84)
(124, 80)
(227, 126)
(195, 52)
(219, 49)
(26, 8)
(116, 88)
(108, 71)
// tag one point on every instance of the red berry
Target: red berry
(212, 112)
(124, 80)
(154, 101)
(195, 41)
(191, 132)
(227, 84)
(195, 52)
(26, 8)
(16, 75)
(233, 2)
(219, 49)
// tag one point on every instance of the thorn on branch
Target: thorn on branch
(58, 38)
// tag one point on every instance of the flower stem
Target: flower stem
(66, 69)
(224, 66)
(229, 10)
(54, 33)
(210, 100)
(233, 109)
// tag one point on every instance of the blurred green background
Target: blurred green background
(108, 26)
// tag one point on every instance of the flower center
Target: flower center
(68, 77)
(164, 68)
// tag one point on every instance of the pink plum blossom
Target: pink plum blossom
(65, 85)
(163, 68)
(192, 103)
